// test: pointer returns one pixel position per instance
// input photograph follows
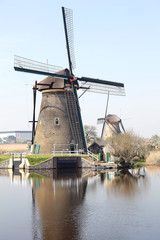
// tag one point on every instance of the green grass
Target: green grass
(138, 163)
(4, 157)
(35, 159)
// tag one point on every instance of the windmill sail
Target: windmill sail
(122, 126)
(100, 120)
(103, 128)
(68, 28)
(102, 86)
(27, 65)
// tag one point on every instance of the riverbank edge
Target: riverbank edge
(52, 164)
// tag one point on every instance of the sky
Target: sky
(113, 40)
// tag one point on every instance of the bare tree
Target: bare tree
(127, 147)
(90, 133)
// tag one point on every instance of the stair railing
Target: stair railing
(18, 156)
(92, 155)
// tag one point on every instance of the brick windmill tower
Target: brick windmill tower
(60, 124)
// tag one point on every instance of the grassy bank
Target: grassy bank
(4, 157)
(35, 159)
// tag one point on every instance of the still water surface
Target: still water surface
(71, 205)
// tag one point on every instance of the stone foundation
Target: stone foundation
(52, 163)
(48, 164)
(4, 164)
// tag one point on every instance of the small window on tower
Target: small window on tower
(57, 121)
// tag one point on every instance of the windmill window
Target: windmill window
(57, 121)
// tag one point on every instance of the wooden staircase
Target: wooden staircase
(74, 119)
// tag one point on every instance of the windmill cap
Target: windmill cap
(58, 83)
(112, 118)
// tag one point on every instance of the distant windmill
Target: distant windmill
(111, 124)
(60, 121)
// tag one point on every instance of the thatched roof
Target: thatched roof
(58, 82)
(112, 118)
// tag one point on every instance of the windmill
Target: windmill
(111, 124)
(60, 121)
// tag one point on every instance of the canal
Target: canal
(77, 205)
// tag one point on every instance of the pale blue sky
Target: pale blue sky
(114, 40)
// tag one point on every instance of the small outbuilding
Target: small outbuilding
(97, 146)
(103, 148)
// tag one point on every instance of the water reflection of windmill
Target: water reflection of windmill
(54, 202)
(60, 119)
(112, 124)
